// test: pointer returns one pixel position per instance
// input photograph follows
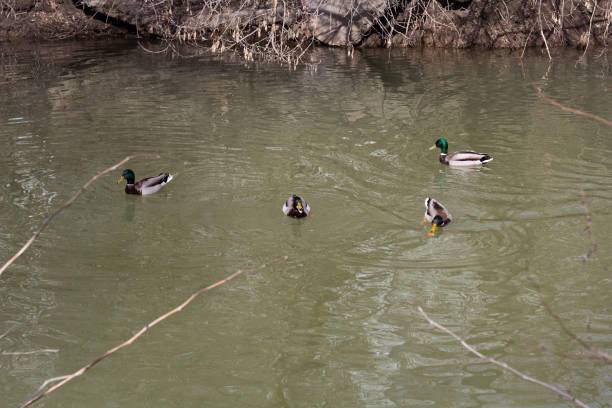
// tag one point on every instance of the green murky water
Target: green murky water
(335, 325)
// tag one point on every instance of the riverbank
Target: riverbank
(285, 31)
(51, 20)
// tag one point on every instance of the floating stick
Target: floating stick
(503, 365)
(68, 203)
(566, 108)
(128, 342)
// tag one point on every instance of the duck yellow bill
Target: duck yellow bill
(299, 206)
(120, 179)
(432, 147)
(433, 229)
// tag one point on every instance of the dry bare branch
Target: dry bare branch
(49, 381)
(503, 365)
(68, 204)
(82, 370)
(526, 41)
(22, 353)
(6, 333)
(566, 108)
(588, 33)
(593, 350)
(589, 228)
(551, 351)
(542, 30)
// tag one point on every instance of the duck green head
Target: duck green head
(442, 144)
(128, 175)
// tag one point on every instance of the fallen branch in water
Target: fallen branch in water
(589, 228)
(503, 365)
(128, 342)
(22, 353)
(6, 333)
(49, 381)
(566, 108)
(551, 351)
(594, 351)
(68, 204)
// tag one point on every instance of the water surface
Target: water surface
(335, 325)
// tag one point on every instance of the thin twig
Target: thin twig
(551, 351)
(503, 365)
(128, 342)
(565, 108)
(588, 40)
(589, 228)
(6, 333)
(589, 348)
(526, 41)
(542, 30)
(21, 353)
(68, 204)
(50, 380)
(561, 16)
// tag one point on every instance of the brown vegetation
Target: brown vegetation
(49, 20)
(284, 30)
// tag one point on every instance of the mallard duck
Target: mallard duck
(296, 206)
(145, 186)
(463, 158)
(435, 213)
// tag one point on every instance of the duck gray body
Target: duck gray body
(146, 186)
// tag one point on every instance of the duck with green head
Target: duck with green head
(145, 186)
(463, 158)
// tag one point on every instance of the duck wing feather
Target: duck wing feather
(467, 158)
(152, 185)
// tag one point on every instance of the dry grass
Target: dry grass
(284, 30)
